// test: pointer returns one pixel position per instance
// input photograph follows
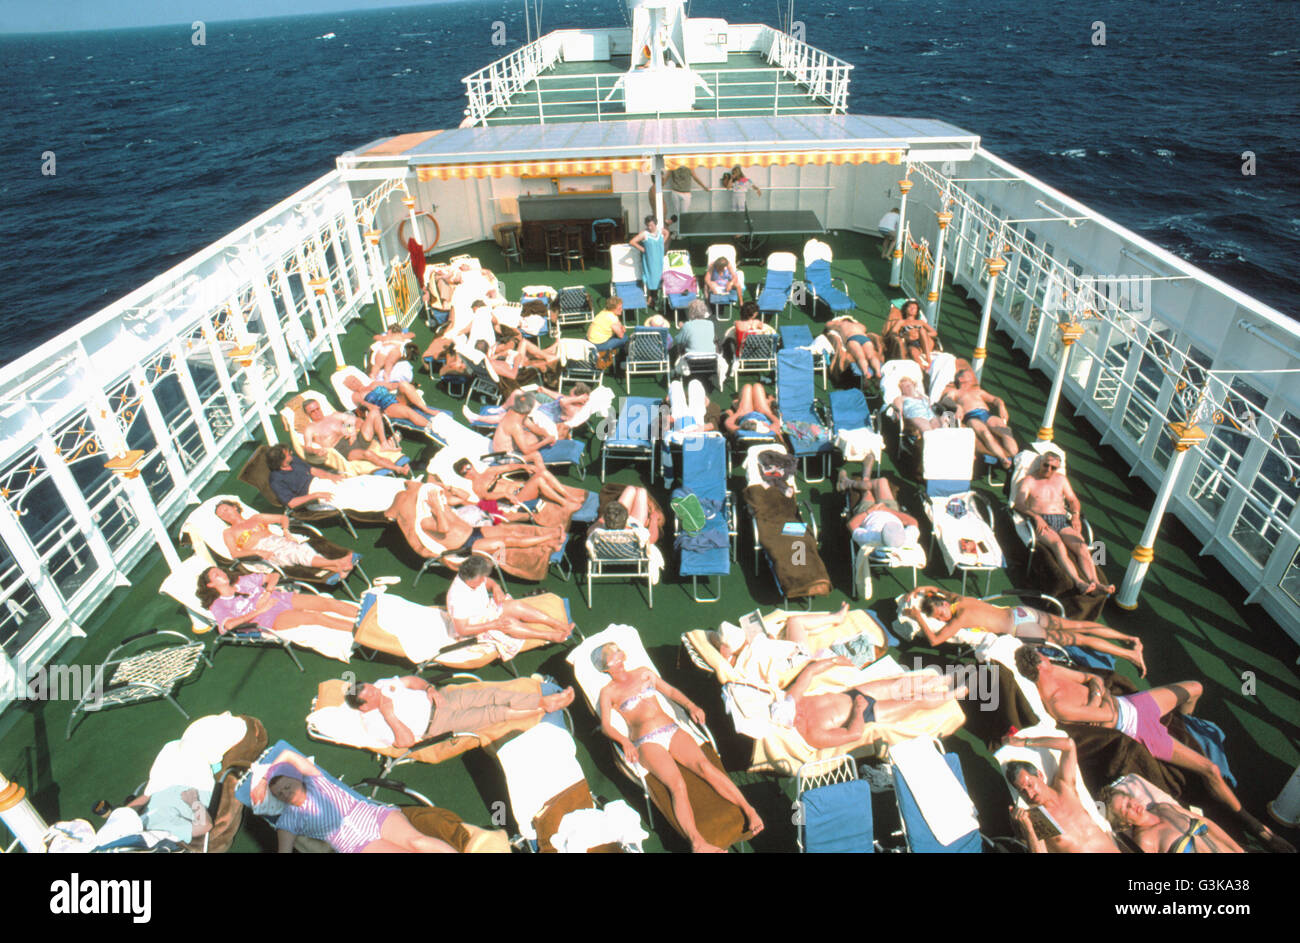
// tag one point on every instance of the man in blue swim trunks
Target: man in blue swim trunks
(375, 396)
(1045, 497)
(983, 412)
(854, 346)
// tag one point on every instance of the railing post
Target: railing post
(995, 265)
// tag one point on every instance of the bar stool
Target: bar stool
(554, 235)
(573, 251)
(602, 234)
(510, 246)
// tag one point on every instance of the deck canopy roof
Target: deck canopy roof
(625, 146)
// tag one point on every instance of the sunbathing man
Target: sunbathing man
(753, 411)
(853, 345)
(639, 512)
(882, 524)
(1023, 622)
(983, 412)
(252, 537)
(1078, 697)
(1163, 827)
(400, 712)
(1060, 800)
(911, 335)
(342, 431)
(376, 397)
(476, 604)
(560, 408)
(788, 650)
(425, 516)
(835, 719)
(914, 411)
(518, 431)
(388, 349)
(295, 483)
(491, 484)
(1046, 498)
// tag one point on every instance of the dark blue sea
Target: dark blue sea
(162, 147)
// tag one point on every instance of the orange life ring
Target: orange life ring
(433, 221)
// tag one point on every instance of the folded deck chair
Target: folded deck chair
(720, 822)
(766, 665)
(142, 667)
(633, 434)
(783, 525)
(340, 376)
(423, 815)
(728, 252)
(934, 807)
(647, 354)
(625, 279)
(575, 307)
(206, 534)
(332, 721)
(818, 281)
(855, 435)
(704, 518)
(545, 783)
(834, 808)
(961, 522)
(800, 335)
(801, 419)
(294, 419)
(778, 280)
(681, 285)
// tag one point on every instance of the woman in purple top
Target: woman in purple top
(254, 598)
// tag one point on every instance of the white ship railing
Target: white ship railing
(1138, 368)
(825, 76)
(494, 86)
(518, 86)
(182, 371)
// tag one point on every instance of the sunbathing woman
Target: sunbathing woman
(654, 740)
(252, 537)
(915, 412)
(374, 397)
(254, 598)
(318, 808)
(639, 509)
(1163, 827)
(753, 411)
(388, 349)
(910, 336)
(560, 408)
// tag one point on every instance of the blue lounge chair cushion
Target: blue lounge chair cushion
(838, 820)
(849, 410)
(730, 298)
(635, 424)
(590, 509)
(631, 293)
(919, 837)
(819, 273)
(795, 394)
(1210, 737)
(564, 452)
(681, 301)
(946, 487)
(795, 335)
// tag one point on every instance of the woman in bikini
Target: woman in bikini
(753, 411)
(254, 598)
(655, 742)
(252, 537)
(1164, 828)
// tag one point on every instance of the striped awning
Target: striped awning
(532, 168)
(786, 158)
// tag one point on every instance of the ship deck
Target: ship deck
(1192, 619)
(746, 85)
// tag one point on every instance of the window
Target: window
(21, 612)
(1230, 432)
(45, 518)
(1273, 493)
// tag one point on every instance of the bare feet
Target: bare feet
(558, 701)
(752, 821)
(700, 847)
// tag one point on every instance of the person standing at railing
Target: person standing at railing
(741, 187)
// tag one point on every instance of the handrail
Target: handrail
(492, 86)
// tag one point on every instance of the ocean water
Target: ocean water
(162, 147)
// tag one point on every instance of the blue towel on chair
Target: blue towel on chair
(1210, 738)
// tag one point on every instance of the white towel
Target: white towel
(856, 444)
(587, 828)
(538, 764)
(328, 642)
(420, 630)
(945, 805)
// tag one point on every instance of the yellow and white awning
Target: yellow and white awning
(786, 158)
